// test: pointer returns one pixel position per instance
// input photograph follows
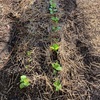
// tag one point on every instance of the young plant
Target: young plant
(57, 85)
(54, 72)
(28, 53)
(24, 81)
(53, 6)
(54, 47)
(56, 66)
(55, 19)
(56, 28)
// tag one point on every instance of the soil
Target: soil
(25, 25)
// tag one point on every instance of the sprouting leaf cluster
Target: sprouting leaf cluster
(55, 19)
(24, 81)
(54, 47)
(56, 66)
(57, 85)
(53, 7)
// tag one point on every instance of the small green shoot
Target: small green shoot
(53, 4)
(56, 28)
(55, 19)
(57, 85)
(54, 47)
(53, 7)
(54, 72)
(52, 10)
(56, 66)
(24, 81)
(28, 53)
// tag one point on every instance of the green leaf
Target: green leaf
(54, 72)
(29, 53)
(55, 19)
(23, 77)
(26, 84)
(57, 85)
(54, 47)
(53, 5)
(22, 85)
(51, 1)
(55, 10)
(24, 81)
(56, 66)
(51, 11)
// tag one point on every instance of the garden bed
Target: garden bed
(50, 43)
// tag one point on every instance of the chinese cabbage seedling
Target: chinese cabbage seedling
(24, 81)
(54, 47)
(56, 66)
(57, 85)
(55, 19)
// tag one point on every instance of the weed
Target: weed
(24, 81)
(55, 19)
(57, 85)
(56, 66)
(54, 47)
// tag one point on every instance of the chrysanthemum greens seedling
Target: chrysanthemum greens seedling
(54, 47)
(57, 85)
(55, 19)
(56, 66)
(24, 81)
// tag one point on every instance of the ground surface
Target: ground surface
(25, 25)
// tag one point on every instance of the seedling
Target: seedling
(55, 19)
(54, 47)
(56, 28)
(57, 85)
(52, 4)
(52, 11)
(28, 53)
(53, 7)
(24, 81)
(56, 66)
(54, 72)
